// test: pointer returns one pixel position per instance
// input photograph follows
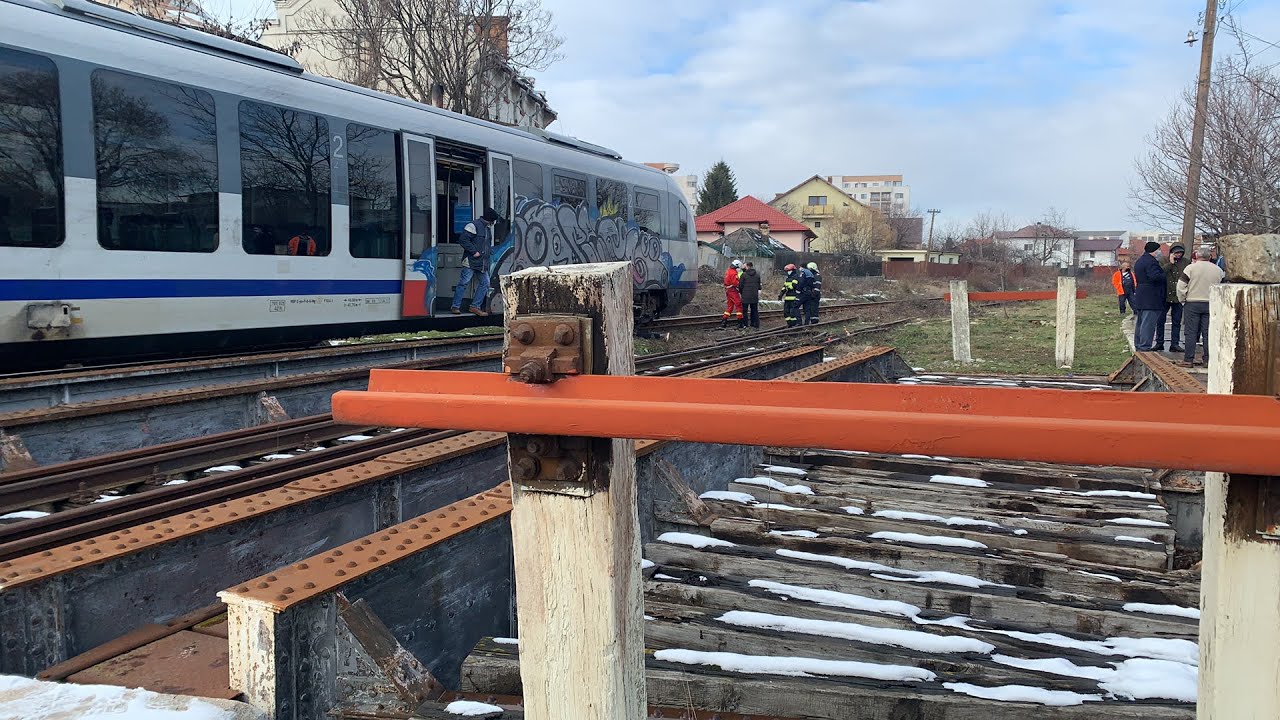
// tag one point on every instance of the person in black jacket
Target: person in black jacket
(811, 293)
(477, 246)
(749, 289)
(1150, 296)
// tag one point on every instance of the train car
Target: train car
(165, 191)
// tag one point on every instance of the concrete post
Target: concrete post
(960, 349)
(1065, 347)
(577, 541)
(1240, 626)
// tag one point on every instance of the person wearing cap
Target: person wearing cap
(810, 292)
(790, 295)
(732, 298)
(1150, 296)
(749, 289)
(477, 246)
(1193, 291)
(1174, 267)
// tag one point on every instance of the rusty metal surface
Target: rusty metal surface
(184, 663)
(826, 369)
(173, 397)
(544, 346)
(131, 641)
(1000, 423)
(324, 573)
(1172, 377)
(103, 548)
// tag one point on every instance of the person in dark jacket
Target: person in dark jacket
(790, 295)
(749, 289)
(1150, 298)
(477, 246)
(1174, 267)
(811, 293)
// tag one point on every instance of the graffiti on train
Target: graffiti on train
(559, 234)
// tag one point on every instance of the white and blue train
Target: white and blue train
(164, 190)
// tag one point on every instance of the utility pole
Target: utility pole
(1197, 128)
(933, 213)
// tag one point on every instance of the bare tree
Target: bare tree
(858, 231)
(465, 53)
(245, 27)
(979, 235)
(906, 228)
(1240, 180)
(1054, 240)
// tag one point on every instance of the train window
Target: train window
(683, 220)
(284, 166)
(528, 179)
(156, 147)
(568, 189)
(373, 184)
(30, 151)
(611, 198)
(649, 211)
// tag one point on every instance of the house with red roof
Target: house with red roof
(750, 212)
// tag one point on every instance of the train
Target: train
(164, 191)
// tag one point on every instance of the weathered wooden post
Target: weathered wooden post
(1240, 626)
(1065, 346)
(574, 526)
(960, 350)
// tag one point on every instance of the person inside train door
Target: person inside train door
(476, 240)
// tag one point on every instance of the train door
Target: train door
(419, 288)
(502, 200)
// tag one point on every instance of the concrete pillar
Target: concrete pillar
(960, 349)
(1240, 625)
(1065, 347)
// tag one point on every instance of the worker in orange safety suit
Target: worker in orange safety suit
(732, 297)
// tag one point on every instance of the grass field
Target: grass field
(1018, 338)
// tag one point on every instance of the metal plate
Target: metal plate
(185, 663)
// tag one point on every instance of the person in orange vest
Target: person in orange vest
(733, 298)
(302, 244)
(1122, 281)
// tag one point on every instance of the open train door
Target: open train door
(418, 165)
(502, 199)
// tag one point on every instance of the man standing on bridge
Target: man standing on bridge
(1193, 290)
(1174, 267)
(1149, 300)
(477, 245)
(732, 297)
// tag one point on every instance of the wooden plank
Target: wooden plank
(412, 681)
(577, 559)
(1007, 604)
(1010, 567)
(698, 510)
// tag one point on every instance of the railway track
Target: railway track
(682, 321)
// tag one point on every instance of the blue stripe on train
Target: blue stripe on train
(136, 288)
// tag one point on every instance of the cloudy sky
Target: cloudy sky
(1014, 105)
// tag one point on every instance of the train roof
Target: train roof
(270, 59)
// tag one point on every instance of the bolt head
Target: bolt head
(523, 333)
(525, 469)
(533, 373)
(568, 470)
(565, 334)
(537, 446)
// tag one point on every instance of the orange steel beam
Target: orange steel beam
(1021, 295)
(1239, 434)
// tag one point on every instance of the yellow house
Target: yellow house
(821, 206)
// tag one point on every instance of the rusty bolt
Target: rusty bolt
(568, 471)
(534, 373)
(526, 469)
(538, 446)
(523, 333)
(565, 334)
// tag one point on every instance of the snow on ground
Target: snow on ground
(1132, 539)
(645, 564)
(23, 515)
(106, 498)
(1141, 522)
(693, 541)
(909, 639)
(277, 456)
(775, 485)
(794, 666)
(779, 506)
(1019, 531)
(916, 457)
(938, 576)
(1057, 666)
(794, 533)
(1186, 652)
(507, 641)
(1098, 493)
(1023, 693)
(729, 496)
(176, 481)
(1176, 610)
(223, 468)
(1100, 575)
(665, 368)
(664, 576)
(956, 480)
(845, 563)
(928, 540)
(355, 438)
(784, 470)
(1144, 679)
(470, 708)
(35, 700)
(832, 598)
(926, 517)
(853, 509)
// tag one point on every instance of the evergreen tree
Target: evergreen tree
(718, 189)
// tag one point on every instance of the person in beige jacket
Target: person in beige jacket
(1193, 291)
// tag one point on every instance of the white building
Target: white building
(886, 193)
(515, 100)
(688, 183)
(1040, 243)
(1099, 247)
